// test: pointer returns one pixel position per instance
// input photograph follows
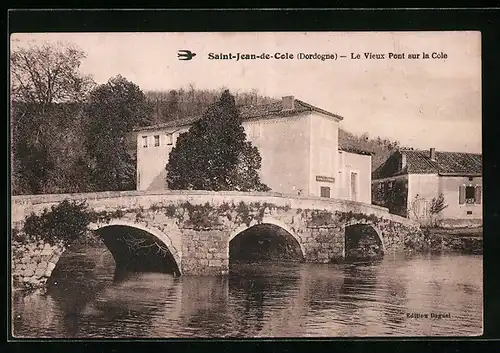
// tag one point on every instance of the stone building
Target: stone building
(409, 180)
(298, 143)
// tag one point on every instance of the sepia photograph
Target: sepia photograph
(240, 185)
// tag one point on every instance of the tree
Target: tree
(48, 73)
(245, 176)
(172, 105)
(213, 154)
(437, 205)
(428, 215)
(42, 78)
(113, 110)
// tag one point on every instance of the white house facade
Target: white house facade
(298, 143)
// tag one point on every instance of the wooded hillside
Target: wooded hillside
(381, 148)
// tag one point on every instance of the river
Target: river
(386, 298)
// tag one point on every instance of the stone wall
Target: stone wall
(205, 252)
(323, 244)
(33, 263)
(460, 223)
(197, 226)
(464, 245)
(394, 234)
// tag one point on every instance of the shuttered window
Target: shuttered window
(469, 194)
(478, 194)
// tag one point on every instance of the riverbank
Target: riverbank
(462, 240)
(33, 263)
(34, 260)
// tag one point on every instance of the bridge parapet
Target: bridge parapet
(25, 204)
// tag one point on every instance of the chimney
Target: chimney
(287, 103)
(432, 154)
(403, 161)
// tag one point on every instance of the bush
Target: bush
(64, 222)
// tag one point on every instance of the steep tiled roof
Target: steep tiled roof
(351, 149)
(252, 112)
(419, 162)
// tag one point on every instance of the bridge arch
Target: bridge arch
(150, 230)
(364, 228)
(266, 221)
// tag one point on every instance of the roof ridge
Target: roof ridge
(257, 105)
(248, 114)
(437, 151)
(318, 109)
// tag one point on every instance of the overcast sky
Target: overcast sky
(421, 103)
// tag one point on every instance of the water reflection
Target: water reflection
(258, 300)
(35, 311)
(256, 287)
(130, 305)
(204, 306)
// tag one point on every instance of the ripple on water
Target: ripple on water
(258, 300)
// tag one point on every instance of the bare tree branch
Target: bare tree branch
(48, 73)
(135, 244)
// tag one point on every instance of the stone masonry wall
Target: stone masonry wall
(395, 236)
(205, 252)
(33, 263)
(323, 244)
(198, 237)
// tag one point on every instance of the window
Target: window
(144, 141)
(469, 194)
(325, 191)
(354, 186)
(157, 140)
(425, 207)
(170, 139)
(421, 207)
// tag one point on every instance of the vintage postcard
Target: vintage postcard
(246, 184)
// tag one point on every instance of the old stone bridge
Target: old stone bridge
(198, 232)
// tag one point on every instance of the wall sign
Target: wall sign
(325, 178)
